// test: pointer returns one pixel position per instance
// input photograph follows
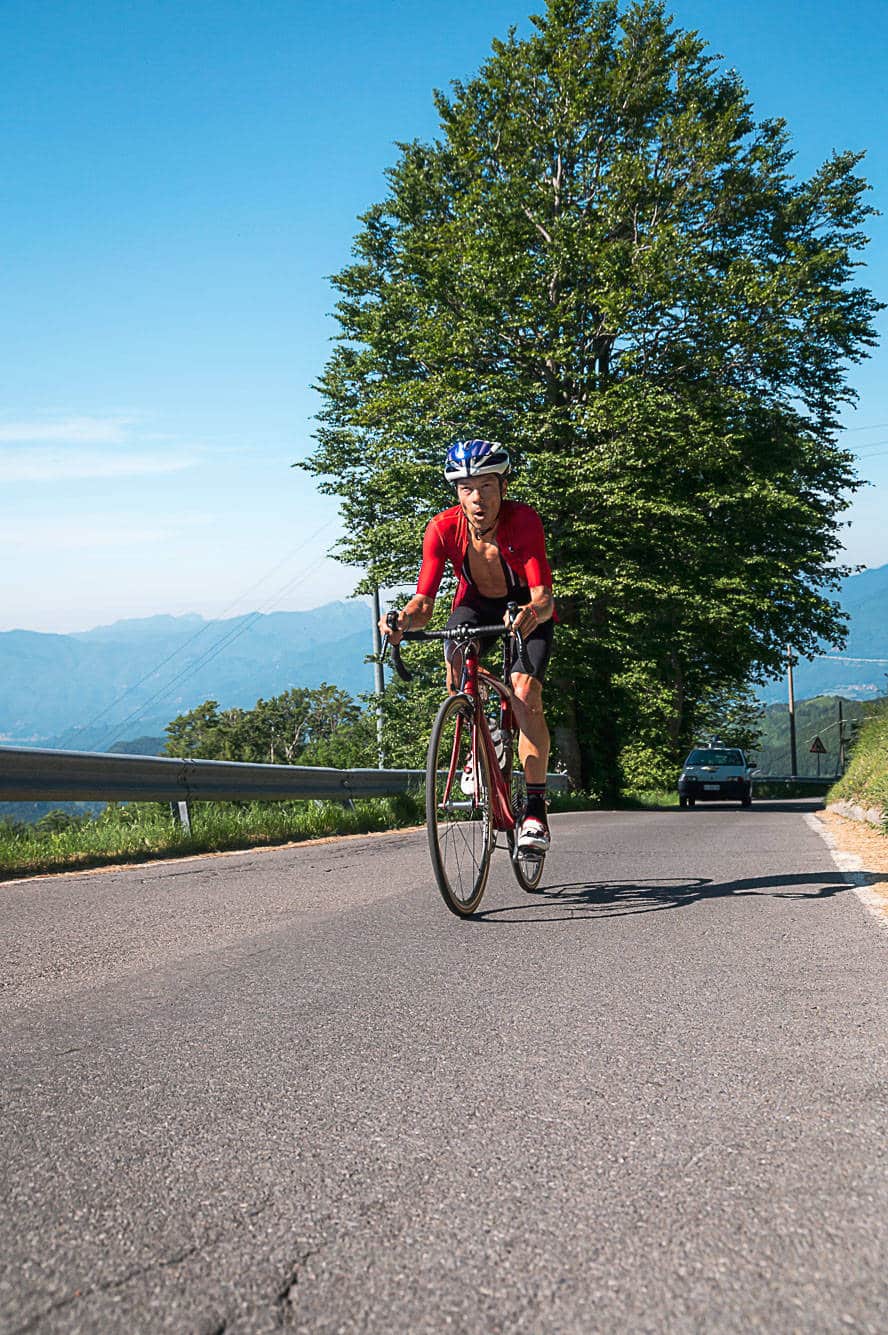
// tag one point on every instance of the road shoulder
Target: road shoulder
(861, 851)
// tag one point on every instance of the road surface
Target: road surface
(288, 1090)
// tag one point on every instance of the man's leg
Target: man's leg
(534, 743)
(533, 751)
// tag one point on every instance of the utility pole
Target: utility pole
(794, 764)
(841, 741)
(378, 676)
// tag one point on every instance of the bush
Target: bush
(645, 768)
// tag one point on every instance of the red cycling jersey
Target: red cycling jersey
(520, 539)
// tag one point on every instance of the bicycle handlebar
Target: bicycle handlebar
(461, 634)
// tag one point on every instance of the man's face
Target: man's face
(480, 499)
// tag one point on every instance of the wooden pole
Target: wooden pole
(378, 678)
(794, 764)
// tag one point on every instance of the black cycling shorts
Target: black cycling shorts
(487, 612)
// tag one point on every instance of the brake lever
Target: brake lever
(513, 609)
(404, 673)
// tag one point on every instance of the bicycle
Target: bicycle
(473, 792)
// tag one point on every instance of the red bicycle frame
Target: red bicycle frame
(501, 804)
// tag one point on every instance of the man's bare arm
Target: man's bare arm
(539, 609)
(414, 615)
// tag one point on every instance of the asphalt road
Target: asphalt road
(289, 1090)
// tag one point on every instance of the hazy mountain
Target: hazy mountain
(865, 598)
(88, 690)
(127, 680)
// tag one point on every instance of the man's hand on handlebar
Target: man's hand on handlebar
(524, 622)
(415, 615)
(391, 628)
(526, 618)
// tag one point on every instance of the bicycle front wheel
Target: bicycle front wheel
(458, 807)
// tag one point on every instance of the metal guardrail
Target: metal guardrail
(36, 774)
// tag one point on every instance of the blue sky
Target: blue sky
(179, 177)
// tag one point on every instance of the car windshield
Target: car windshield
(713, 757)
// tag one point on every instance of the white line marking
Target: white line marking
(853, 870)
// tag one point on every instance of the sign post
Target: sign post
(818, 750)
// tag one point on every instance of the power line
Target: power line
(212, 652)
(207, 626)
(873, 452)
(180, 649)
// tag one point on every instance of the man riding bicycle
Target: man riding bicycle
(497, 550)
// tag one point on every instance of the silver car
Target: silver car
(715, 773)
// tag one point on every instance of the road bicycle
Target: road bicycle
(474, 787)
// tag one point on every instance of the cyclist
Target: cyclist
(498, 553)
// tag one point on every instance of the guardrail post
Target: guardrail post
(181, 815)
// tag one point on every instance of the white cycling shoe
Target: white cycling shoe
(467, 779)
(533, 837)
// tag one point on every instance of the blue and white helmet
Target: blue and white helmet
(475, 458)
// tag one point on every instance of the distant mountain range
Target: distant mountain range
(88, 690)
(126, 681)
(853, 672)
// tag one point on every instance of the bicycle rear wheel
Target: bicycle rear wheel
(528, 867)
(458, 808)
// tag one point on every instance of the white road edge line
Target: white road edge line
(852, 868)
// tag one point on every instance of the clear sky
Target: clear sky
(178, 179)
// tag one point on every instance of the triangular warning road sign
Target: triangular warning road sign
(817, 747)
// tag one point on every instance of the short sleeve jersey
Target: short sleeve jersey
(521, 542)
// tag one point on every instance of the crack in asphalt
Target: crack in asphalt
(285, 1298)
(164, 1263)
(107, 1286)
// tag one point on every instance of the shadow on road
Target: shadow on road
(618, 898)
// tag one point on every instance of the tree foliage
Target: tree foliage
(282, 730)
(605, 261)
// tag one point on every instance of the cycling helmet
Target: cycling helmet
(474, 458)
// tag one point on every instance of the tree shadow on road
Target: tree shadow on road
(614, 899)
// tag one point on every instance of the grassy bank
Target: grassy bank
(866, 779)
(145, 830)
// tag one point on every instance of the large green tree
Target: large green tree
(604, 261)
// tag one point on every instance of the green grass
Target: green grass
(139, 831)
(645, 799)
(866, 779)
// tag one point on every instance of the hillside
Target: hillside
(814, 718)
(88, 690)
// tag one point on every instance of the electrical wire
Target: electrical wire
(180, 649)
(212, 652)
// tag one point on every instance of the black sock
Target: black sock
(536, 801)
